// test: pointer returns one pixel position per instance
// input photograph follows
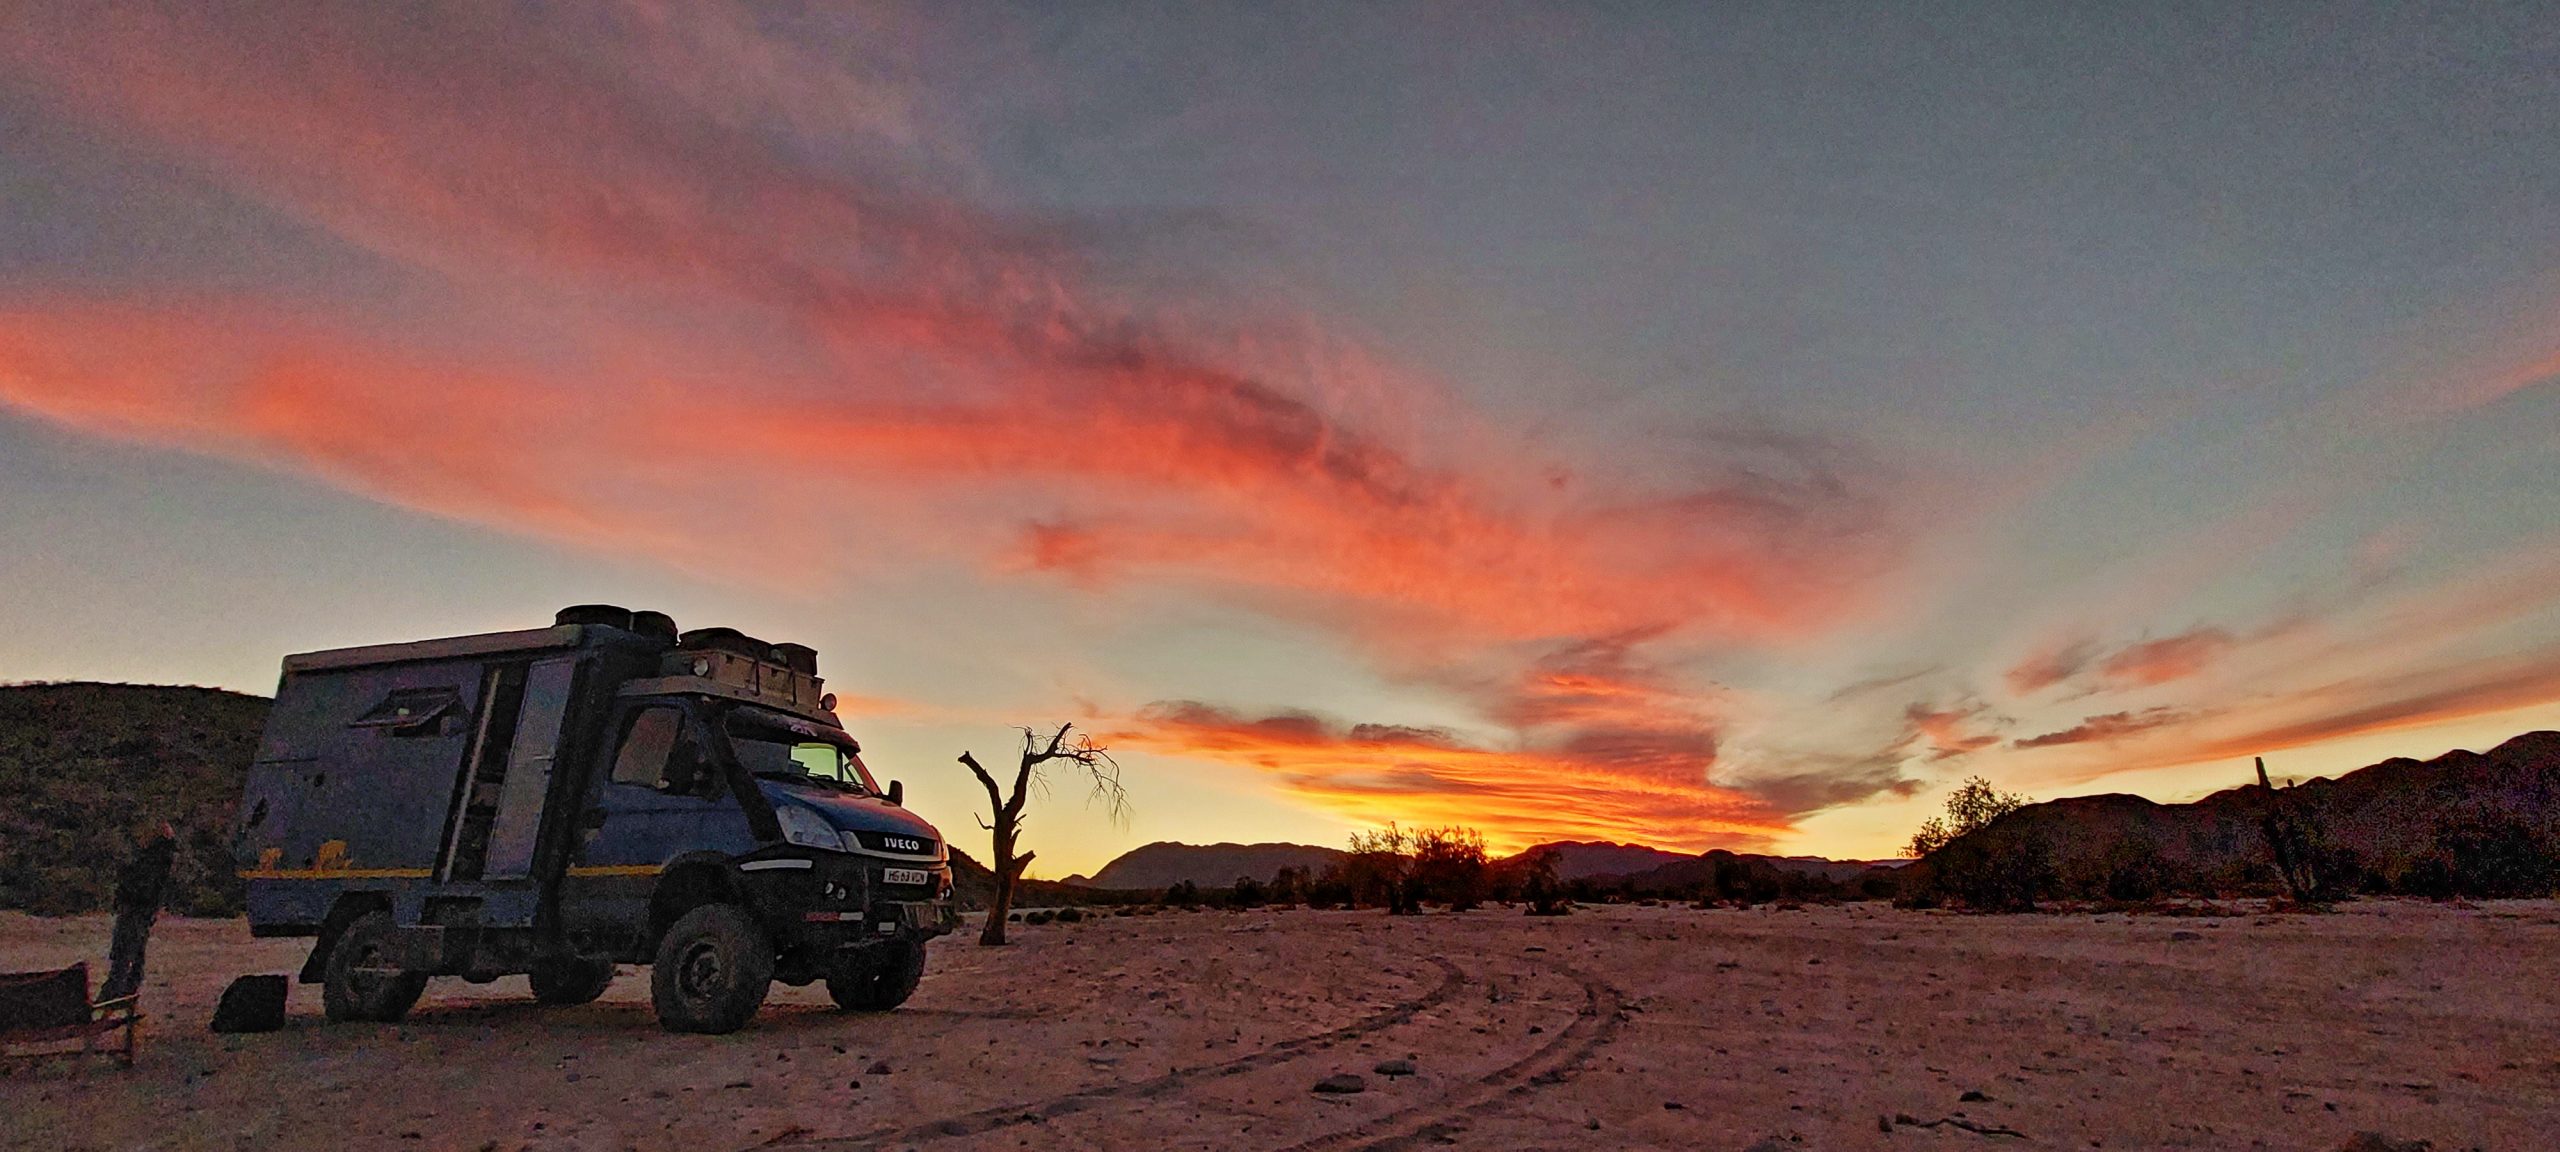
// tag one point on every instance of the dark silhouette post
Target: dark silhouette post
(2288, 841)
(141, 885)
(1007, 826)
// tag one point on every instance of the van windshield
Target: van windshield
(791, 752)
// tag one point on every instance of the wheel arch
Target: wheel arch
(687, 883)
(342, 912)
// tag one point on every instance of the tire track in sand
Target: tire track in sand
(1005, 1116)
(1598, 1023)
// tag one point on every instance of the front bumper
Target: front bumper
(846, 900)
(891, 918)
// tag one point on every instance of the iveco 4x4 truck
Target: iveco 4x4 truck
(560, 800)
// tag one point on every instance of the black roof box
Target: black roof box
(725, 640)
(610, 615)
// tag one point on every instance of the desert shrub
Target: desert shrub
(1070, 916)
(1182, 895)
(1993, 871)
(2482, 858)
(1331, 888)
(1449, 867)
(2497, 859)
(1288, 886)
(2133, 872)
(2430, 876)
(1972, 806)
(2342, 871)
(1247, 893)
(1745, 882)
(1537, 884)
(1040, 917)
(1380, 870)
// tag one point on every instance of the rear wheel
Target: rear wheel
(880, 980)
(712, 970)
(360, 981)
(570, 980)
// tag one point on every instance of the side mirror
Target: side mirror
(897, 793)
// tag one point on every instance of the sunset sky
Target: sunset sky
(1696, 425)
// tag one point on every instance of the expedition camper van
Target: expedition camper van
(560, 800)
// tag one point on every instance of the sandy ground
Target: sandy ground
(1621, 1027)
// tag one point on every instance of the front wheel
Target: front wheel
(360, 981)
(569, 980)
(712, 970)
(879, 981)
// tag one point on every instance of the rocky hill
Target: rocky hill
(81, 764)
(2462, 824)
(1164, 864)
(1586, 859)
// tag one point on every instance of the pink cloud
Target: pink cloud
(1952, 732)
(2155, 662)
(2050, 666)
(941, 379)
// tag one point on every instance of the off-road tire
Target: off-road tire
(570, 980)
(348, 994)
(712, 971)
(879, 981)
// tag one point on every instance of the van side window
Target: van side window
(647, 746)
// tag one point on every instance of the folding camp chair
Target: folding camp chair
(48, 1009)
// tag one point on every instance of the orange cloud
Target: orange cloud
(2407, 701)
(1374, 773)
(2109, 727)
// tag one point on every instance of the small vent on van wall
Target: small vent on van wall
(412, 712)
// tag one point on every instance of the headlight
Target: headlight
(805, 828)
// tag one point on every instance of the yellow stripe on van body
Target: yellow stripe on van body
(421, 873)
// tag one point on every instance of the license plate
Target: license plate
(907, 876)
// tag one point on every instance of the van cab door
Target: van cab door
(656, 796)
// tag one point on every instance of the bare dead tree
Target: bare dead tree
(1037, 754)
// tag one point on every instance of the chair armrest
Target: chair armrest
(125, 1002)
